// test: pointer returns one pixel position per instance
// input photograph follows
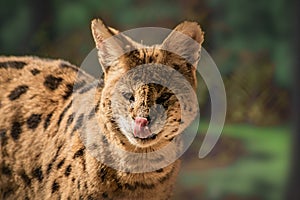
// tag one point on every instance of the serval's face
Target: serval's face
(148, 88)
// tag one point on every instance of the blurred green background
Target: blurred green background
(248, 40)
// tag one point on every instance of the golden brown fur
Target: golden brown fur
(43, 155)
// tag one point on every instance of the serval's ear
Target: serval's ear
(182, 41)
(111, 45)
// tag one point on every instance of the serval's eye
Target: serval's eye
(163, 98)
(128, 96)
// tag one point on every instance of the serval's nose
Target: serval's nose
(141, 121)
(141, 129)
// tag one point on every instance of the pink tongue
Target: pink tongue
(141, 130)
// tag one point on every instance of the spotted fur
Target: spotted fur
(44, 152)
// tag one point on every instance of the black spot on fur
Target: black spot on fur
(16, 130)
(189, 66)
(55, 187)
(151, 59)
(38, 156)
(122, 142)
(90, 197)
(91, 114)
(89, 87)
(17, 92)
(33, 121)
(68, 91)
(78, 123)
(117, 181)
(94, 110)
(53, 159)
(48, 120)
(101, 82)
(68, 170)
(175, 130)
(25, 178)
(37, 173)
(102, 76)
(136, 185)
(167, 176)
(176, 67)
(3, 137)
(119, 185)
(52, 82)
(79, 153)
(160, 170)
(5, 170)
(73, 87)
(2, 134)
(97, 106)
(12, 64)
(49, 167)
(61, 163)
(70, 119)
(163, 99)
(103, 174)
(130, 187)
(83, 164)
(78, 85)
(63, 113)
(35, 71)
(104, 195)
(7, 192)
(104, 139)
(145, 186)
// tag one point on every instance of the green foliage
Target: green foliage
(13, 29)
(252, 95)
(71, 16)
(260, 26)
(260, 174)
(238, 25)
(28, 29)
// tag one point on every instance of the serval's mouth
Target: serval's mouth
(141, 129)
(150, 138)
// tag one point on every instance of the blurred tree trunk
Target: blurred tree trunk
(293, 191)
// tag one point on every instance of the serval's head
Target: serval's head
(147, 88)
